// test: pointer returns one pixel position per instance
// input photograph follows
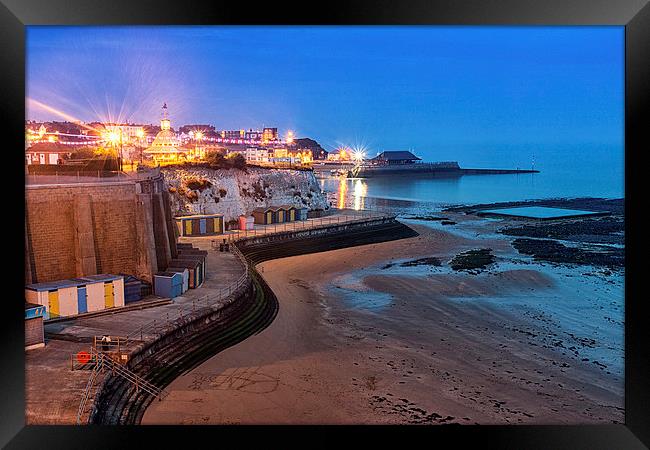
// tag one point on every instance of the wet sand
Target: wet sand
(356, 344)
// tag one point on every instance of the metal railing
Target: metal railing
(190, 311)
(102, 361)
(90, 176)
(309, 224)
(88, 391)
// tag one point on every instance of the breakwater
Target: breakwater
(429, 169)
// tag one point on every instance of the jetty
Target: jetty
(405, 163)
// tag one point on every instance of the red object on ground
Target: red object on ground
(83, 357)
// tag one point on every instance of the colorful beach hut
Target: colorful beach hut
(168, 284)
(194, 268)
(246, 222)
(34, 333)
(291, 213)
(263, 216)
(185, 274)
(104, 291)
(134, 288)
(198, 258)
(200, 225)
(77, 295)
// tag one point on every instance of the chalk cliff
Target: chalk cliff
(234, 192)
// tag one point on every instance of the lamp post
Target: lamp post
(121, 155)
(140, 134)
(198, 136)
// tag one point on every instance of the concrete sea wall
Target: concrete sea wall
(89, 228)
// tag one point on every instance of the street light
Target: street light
(140, 134)
(358, 155)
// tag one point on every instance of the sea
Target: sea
(595, 174)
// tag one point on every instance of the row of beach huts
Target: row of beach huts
(212, 224)
(88, 294)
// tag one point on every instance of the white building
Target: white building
(256, 155)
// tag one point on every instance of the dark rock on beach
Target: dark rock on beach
(430, 261)
(556, 252)
(473, 259)
(604, 230)
(428, 218)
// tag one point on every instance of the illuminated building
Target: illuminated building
(269, 135)
(233, 134)
(256, 155)
(131, 134)
(254, 135)
(340, 154)
(166, 146)
(394, 158)
(46, 153)
(280, 152)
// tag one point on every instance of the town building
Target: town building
(394, 158)
(280, 152)
(254, 135)
(256, 155)
(127, 134)
(269, 135)
(340, 154)
(166, 147)
(233, 134)
(47, 153)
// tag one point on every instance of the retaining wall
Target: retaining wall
(85, 229)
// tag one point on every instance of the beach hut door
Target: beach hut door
(53, 303)
(82, 303)
(109, 295)
(269, 217)
(292, 215)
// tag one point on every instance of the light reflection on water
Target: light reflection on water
(467, 189)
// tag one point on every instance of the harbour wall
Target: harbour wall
(430, 169)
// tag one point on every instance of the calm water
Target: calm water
(587, 176)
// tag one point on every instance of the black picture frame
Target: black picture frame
(634, 15)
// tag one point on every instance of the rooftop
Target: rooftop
(396, 155)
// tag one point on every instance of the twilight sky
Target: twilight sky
(477, 92)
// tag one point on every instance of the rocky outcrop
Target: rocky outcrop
(236, 192)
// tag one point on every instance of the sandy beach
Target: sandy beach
(361, 338)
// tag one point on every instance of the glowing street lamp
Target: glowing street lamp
(358, 155)
(140, 135)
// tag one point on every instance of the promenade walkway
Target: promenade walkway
(54, 390)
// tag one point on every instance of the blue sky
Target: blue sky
(444, 92)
